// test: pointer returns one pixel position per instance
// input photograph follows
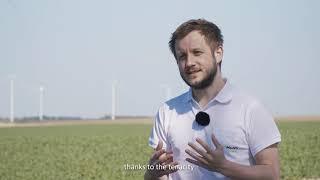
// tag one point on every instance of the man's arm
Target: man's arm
(267, 162)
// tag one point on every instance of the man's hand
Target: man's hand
(162, 163)
(266, 167)
(212, 160)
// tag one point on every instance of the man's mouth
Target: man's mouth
(192, 72)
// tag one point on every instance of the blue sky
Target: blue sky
(76, 49)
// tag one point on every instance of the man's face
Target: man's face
(195, 60)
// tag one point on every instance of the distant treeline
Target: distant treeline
(36, 118)
(57, 118)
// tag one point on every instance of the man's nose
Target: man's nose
(190, 61)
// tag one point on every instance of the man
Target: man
(213, 131)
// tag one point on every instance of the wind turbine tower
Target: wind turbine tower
(41, 103)
(114, 99)
(11, 99)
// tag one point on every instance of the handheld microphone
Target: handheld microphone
(202, 118)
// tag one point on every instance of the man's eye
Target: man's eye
(197, 53)
(181, 57)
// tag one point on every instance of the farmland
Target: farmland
(100, 151)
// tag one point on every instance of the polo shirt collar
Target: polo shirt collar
(224, 95)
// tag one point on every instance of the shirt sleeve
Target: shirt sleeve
(158, 131)
(262, 130)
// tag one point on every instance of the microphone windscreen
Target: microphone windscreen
(202, 118)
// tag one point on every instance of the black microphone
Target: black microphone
(202, 118)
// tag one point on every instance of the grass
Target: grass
(101, 151)
(300, 150)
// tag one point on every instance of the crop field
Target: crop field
(101, 151)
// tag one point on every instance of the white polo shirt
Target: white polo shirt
(240, 123)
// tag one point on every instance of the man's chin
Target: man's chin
(198, 84)
(194, 84)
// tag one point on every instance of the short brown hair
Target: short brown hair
(211, 32)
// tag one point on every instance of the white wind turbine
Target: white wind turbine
(114, 99)
(41, 103)
(11, 77)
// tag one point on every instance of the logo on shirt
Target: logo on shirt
(232, 148)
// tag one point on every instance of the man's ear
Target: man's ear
(218, 54)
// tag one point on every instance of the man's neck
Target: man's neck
(203, 96)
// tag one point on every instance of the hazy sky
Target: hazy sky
(76, 49)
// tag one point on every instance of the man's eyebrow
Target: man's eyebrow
(197, 49)
(179, 51)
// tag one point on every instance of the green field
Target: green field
(101, 151)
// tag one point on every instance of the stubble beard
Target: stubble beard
(205, 82)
